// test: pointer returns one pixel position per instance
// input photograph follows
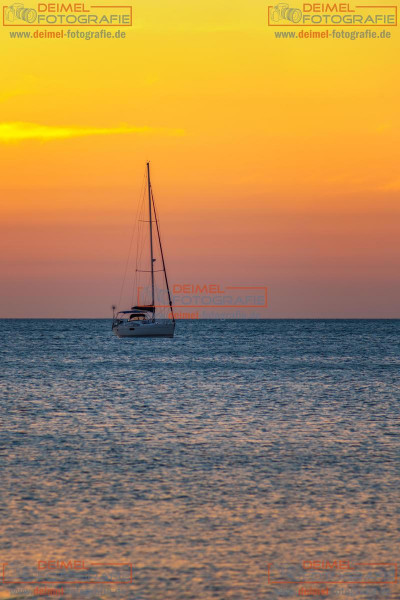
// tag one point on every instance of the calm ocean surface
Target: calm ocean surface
(200, 460)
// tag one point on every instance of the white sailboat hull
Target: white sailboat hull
(138, 329)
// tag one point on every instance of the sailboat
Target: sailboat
(141, 320)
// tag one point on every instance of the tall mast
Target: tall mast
(151, 236)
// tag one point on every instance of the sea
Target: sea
(243, 460)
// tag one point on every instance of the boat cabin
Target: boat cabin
(143, 315)
(137, 317)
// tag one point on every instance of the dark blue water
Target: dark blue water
(200, 460)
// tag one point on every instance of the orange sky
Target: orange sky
(275, 162)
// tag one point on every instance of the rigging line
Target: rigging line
(151, 233)
(129, 251)
(136, 227)
(139, 241)
(140, 245)
(162, 256)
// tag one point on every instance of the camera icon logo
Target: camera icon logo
(283, 11)
(18, 11)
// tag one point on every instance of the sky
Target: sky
(274, 162)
